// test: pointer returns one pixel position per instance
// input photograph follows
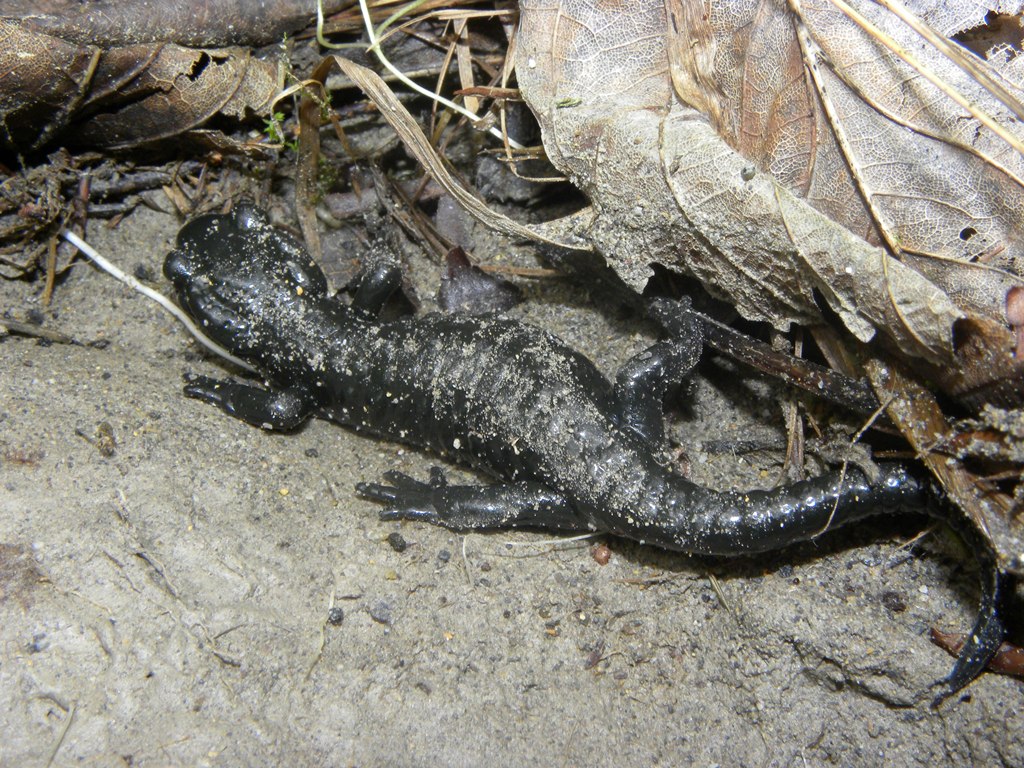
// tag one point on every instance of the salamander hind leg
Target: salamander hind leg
(278, 410)
(464, 507)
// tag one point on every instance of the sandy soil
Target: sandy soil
(211, 594)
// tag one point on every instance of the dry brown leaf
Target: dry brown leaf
(776, 150)
(121, 96)
(180, 89)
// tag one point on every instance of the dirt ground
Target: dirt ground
(201, 592)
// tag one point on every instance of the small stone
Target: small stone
(381, 612)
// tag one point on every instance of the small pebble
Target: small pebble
(381, 612)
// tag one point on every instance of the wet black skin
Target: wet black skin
(572, 451)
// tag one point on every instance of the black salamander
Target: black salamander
(573, 451)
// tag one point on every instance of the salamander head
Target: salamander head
(235, 274)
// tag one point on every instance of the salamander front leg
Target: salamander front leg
(462, 507)
(644, 381)
(282, 410)
(376, 287)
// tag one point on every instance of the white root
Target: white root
(156, 296)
